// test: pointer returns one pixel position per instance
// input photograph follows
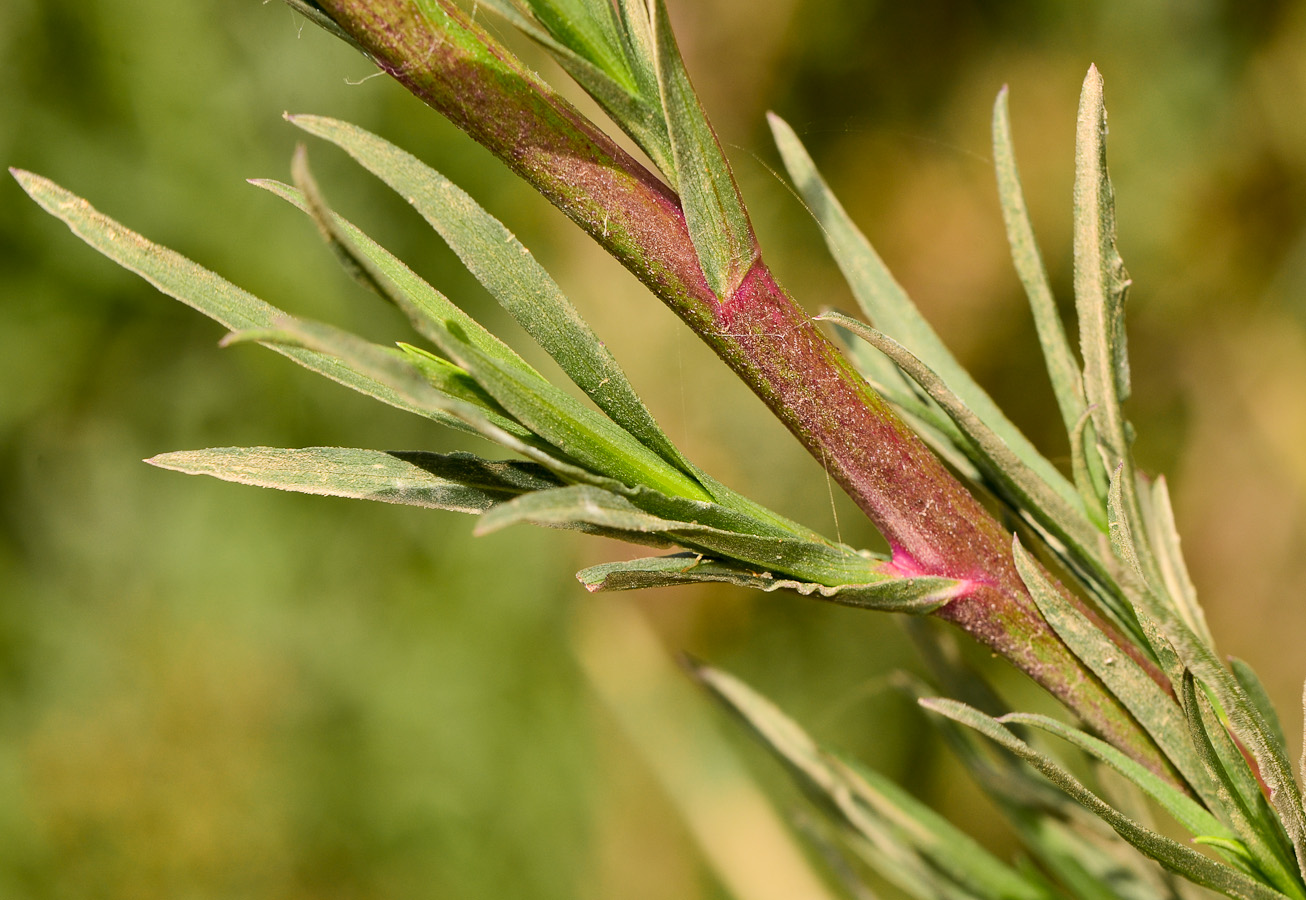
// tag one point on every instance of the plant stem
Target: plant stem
(934, 525)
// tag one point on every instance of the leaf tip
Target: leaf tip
(694, 667)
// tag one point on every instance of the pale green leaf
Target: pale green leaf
(1063, 369)
(631, 101)
(430, 304)
(899, 826)
(1174, 856)
(454, 481)
(205, 291)
(584, 435)
(1186, 811)
(508, 270)
(1158, 516)
(805, 561)
(1260, 699)
(889, 308)
(393, 369)
(909, 595)
(1151, 706)
(714, 212)
(1174, 638)
(590, 29)
(1239, 799)
(1101, 284)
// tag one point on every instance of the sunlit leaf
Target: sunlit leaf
(805, 561)
(902, 828)
(630, 99)
(1174, 856)
(889, 308)
(205, 291)
(1151, 706)
(1239, 799)
(907, 595)
(1063, 369)
(432, 305)
(1186, 811)
(509, 271)
(454, 481)
(718, 223)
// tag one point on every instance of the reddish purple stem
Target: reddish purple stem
(934, 525)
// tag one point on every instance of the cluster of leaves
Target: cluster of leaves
(608, 469)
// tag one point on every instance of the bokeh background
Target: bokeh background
(211, 691)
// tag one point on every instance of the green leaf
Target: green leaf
(631, 100)
(1171, 854)
(1065, 838)
(1101, 281)
(1163, 538)
(641, 52)
(590, 29)
(1186, 811)
(1260, 699)
(455, 481)
(428, 303)
(509, 271)
(392, 369)
(908, 595)
(887, 305)
(585, 436)
(1101, 284)
(718, 223)
(805, 561)
(897, 824)
(1151, 706)
(1238, 797)
(203, 290)
(1063, 369)
(1174, 638)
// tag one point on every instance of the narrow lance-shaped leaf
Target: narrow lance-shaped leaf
(509, 271)
(718, 223)
(1154, 709)
(1239, 796)
(883, 813)
(889, 308)
(589, 27)
(806, 561)
(1259, 697)
(394, 371)
(905, 595)
(1173, 638)
(204, 291)
(428, 303)
(1174, 856)
(1186, 811)
(1158, 516)
(460, 482)
(637, 110)
(1101, 284)
(1060, 834)
(582, 434)
(1063, 369)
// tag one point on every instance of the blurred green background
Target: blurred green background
(214, 691)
